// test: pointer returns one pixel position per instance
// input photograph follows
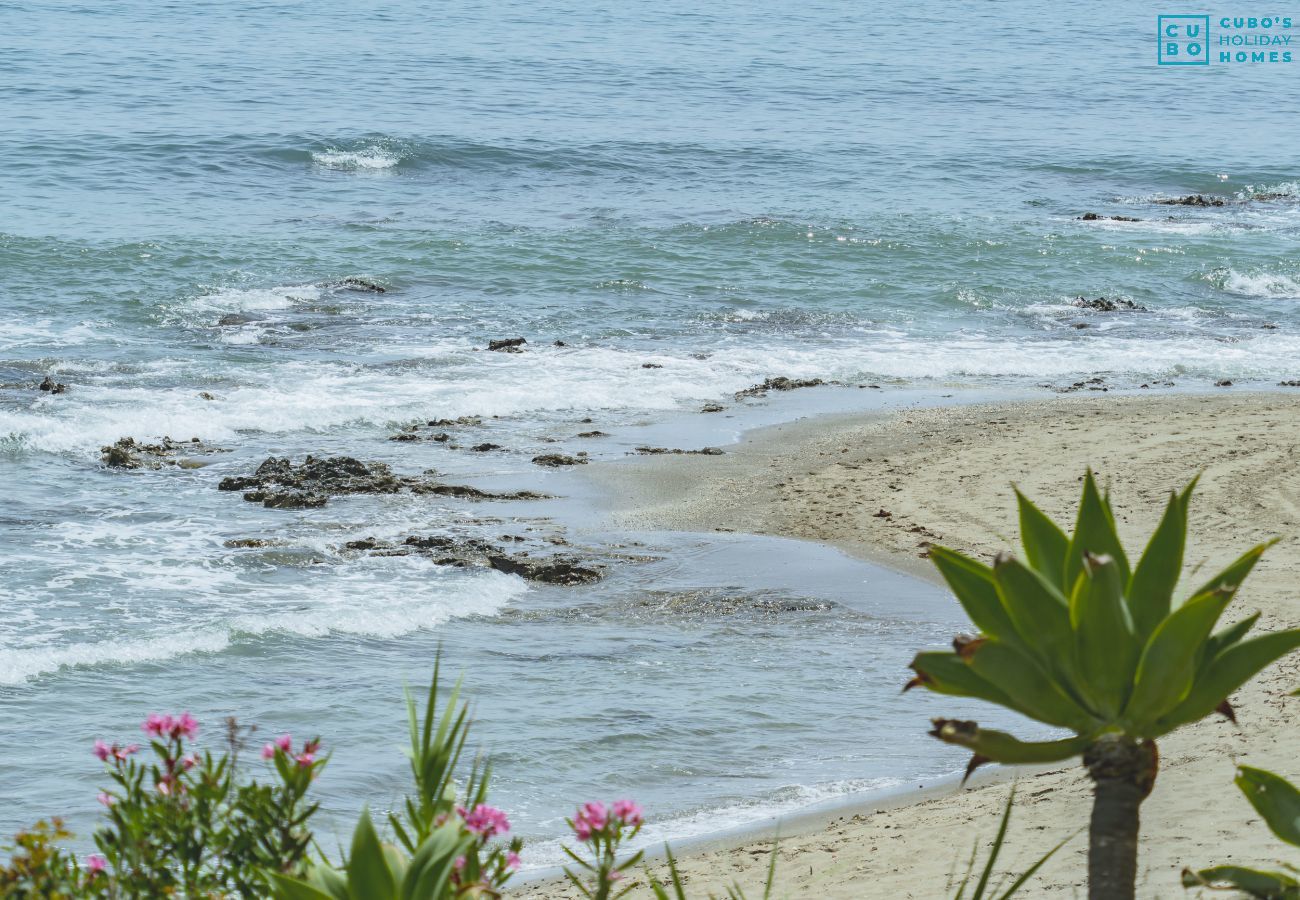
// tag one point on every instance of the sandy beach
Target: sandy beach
(884, 487)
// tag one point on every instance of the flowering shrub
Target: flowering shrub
(604, 831)
(38, 868)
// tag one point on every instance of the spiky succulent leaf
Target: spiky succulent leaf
(1232, 576)
(1040, 614)
(1168, 665)
(1274, 798)
(1046, 545)
(1094, 532)
(1253, 882)
(1225, 673)
(973, 584)
(1036, 693)
(947, 673)
(1105, 641)
(1000, 747)
(1151, 589)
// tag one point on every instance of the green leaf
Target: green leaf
(948, 673)
(1045, 543)
(1264, 885)
(1107, 647)
(1274, 798)
(1031, 690)
(1094, 532)
(431, 866)
(1151, 589)
(1229, 670)
(287, 888)
(973, 584)
(1168, 665)
(1000, 747)
(1228, 637)
(1232, 577)
(1041, 616)
(369, 877)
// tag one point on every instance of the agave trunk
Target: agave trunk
(1123, 772)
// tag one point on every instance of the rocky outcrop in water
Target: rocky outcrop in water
(1191, 200)
(420, 431)
(554, 460)
(712, 408)
(360, 284)
(561, 569)
(128, 453)
(507, 345)
(1107, 304)
(780, 383)
(1093, 217)
(50, 386)
(279, 484)
(657, 451)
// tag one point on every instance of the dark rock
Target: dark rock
(651, 366)
(1288, 384)
(231, 319)
(128, 453)
(558, 459)
(204, 395)
(1108, 304)
(1191, 200)
(1080, 325)
(292, 500)
(448, 423)
(712, 407)
(592, 434)
(404, 436)
(560, 344)
(655, 451)
(51, 386)
(466, 492)
(366, 544)
(1093, 217)
(484, 448)
(507, 345)
(248, 543)
(1091, 384)
(1223, 382)
(780, 383)
(555, 570)
(361, 284)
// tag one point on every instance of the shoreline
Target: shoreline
(943, 475)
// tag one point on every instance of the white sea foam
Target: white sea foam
(369, 158)
(255, 299)
(1267, 285)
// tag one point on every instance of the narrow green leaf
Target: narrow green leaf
(1232, 577)
(1274, 798)
(1107, 647)
(997, 846)
(1229, 670)
(1151, 589)
(1045, 543)
(1031, 689)
(1029, 873)
(1228, 637)
(973, 584)
(1041, 615)
(1000, 747)
(948, 673)
(368, 873)
(287, 888)
(1094, 532)
(1168, 665)
(1256, 883)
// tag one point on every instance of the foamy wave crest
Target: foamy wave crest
(255, 299)
(368, 158)
(1266, 285)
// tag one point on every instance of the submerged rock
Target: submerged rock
(361, 284)
(232, 319)
(1191, 200)
(1093, 217)
(507, 345)
(655, 451)
(484, 448)
(49, 385)
(128, 453)
(780, 383)
(712, 408)
(1107, 304)
(475, 552)
(592, 434)
(558, 459)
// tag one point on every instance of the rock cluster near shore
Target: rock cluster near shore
(560, 569)
(128, 453)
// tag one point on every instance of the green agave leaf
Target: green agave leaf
(431, 866)
(1274, 798)
(1264, 885)
(1226, 672)
(1151, 589)
(1045, 543)
(1168, 666)
(1229, 636)
(948, 673)
(328, 880)
(1107, 647)
(286, 888)
(369, 877)
(976, 590)
(1000, 747)
(1094, 532)
(1232, 577)
(1041, 615)
(1032, 690)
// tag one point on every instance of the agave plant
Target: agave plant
(1278, 803)
(1077, 638)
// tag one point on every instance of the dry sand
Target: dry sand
(944, 475)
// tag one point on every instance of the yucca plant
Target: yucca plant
(1278, 802)
(1076, 638)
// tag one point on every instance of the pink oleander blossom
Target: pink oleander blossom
(485, 821)
(512, 860)
(305, 759)
(268, 751)
(95, 863)
(106, 799)
(629, 812)
(159, 725)
(189, 761)
(102, 750)
(591, 817)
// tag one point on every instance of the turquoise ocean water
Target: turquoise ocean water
(731, 192)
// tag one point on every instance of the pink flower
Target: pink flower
(186, 725)
(106, 799)
(629, 812)
(459, 863)
(95, 863)
(124, 752)
(485, 821)
(189, 761)
(268, 752)
(102, 750)
(284, 742)
(590, 817)
(156, 724)
(165, 787)
(305, 759)
(512, 860)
